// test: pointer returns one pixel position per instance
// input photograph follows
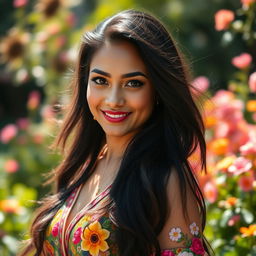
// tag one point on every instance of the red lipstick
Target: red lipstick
(115, 116)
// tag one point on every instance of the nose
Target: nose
(114, 97)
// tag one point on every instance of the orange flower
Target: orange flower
(250, 231)
(93, 239)
(251, 105)
(209, 121)
(231, 201)
(49, 249)
(223, 18)
(219, 146)
(10, 206)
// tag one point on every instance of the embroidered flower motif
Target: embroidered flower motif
(49, 248)
(197, 246)
(94, 239)
(175, 234)
(167, 253)
(185, 254)
(55, 229)
(194, 229)
(77, 236)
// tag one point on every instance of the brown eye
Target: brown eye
(134, 83)
(99, 80)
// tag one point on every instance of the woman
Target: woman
(125, 186)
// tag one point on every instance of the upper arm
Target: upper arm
(180, 231)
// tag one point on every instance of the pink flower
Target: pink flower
(201, 83)
(210, 192)
(248, 148)
(167, 253)
(247, 2)
(233, 220)
(252, 82)
(33, 100)
(23, 123)
(246, 183)
(8, 132)
(77, 236)
(11, 166)
(197, 246)
(19, 3)
(240, 166)
(223, 18)
(55, 229)
(242, 61)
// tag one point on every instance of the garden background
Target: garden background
(38, 47)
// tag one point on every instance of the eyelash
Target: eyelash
(103, 81)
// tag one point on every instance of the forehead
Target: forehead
(118, 56)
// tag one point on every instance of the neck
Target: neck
(116, 147)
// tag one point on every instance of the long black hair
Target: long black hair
(138, 198)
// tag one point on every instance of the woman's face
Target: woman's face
(119, 94)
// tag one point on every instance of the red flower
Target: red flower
(77, 236)
(55, 229)
(197, 246)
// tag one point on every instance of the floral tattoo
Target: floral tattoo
(193, 247)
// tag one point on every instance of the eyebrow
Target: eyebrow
(101, 72)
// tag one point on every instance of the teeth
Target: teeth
(115, 116)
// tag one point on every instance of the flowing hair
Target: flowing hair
(138, 197)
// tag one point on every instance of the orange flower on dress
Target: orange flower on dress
(49, 249)
(93, 239)
(250, 231)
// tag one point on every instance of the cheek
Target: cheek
(143, 102)
(92, 98)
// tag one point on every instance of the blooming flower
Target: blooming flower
(167, 253)
(10, 206)
(223, 18)
(210, 192)
(224, 163)
(12, 47)
(247, 2)
(201, 83)
(248, 148)
(55, 229)
(11, 166)
(242, 61)
(240, 165)
(33, 100)
(77, 236)
(93, 239)
(231, 201)
(252, 82)
(8, 132)
(194, 229)
(197, 246)
(19, 3)
(246, 183)
(233, 220)
(185, 254)
(250, 231)
(219, 146)
(175, 234)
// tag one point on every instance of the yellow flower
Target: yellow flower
(219, 146)
(93, 239)
(251, 105)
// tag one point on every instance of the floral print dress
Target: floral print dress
(91, 234)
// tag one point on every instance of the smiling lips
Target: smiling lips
(115, 116)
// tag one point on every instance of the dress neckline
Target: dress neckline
(78, 215)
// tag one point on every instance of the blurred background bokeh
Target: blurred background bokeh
(38, 48)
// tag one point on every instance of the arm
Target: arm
(181, 235)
